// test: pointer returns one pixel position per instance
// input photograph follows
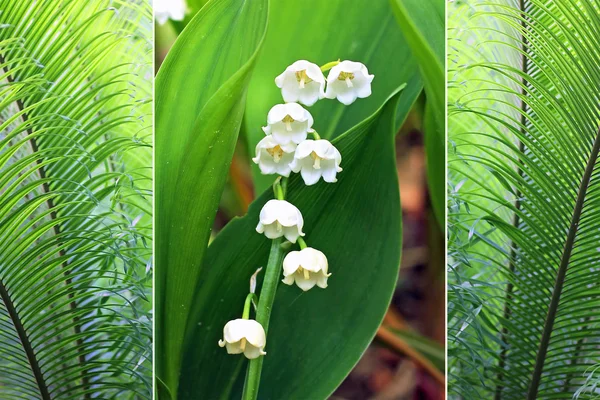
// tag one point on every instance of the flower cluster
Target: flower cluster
(307, 267)
(286, 148)
(304, 82)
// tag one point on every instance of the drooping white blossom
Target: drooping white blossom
(288, 122)
(307, 268)
(302, 82)
(169, 9)
(274, 158)
(348, 81)
(315, 159)
(244, 336)
(279, 218)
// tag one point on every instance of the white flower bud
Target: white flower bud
(347, 81)
(288, 122)
(307, 268)
(279, 218)
(315, 159)
(274, 158)
(244, 336)
(303, 82)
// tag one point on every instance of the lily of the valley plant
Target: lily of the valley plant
(286, 149)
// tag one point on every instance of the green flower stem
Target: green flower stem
(279, 188)
(302, 243)
(267, 297)
(263, 313)
(248, 305)
(330, 65)
(316, 135)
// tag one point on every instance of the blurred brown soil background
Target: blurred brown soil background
(389, 370)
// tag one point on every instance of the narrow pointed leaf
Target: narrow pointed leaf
(200, 94)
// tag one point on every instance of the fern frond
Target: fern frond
(75, 199)
(524, 221)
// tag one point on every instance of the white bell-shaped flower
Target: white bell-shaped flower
(274, 158)
(315, 159)
(169, 9)
(288, 122)
(307, 268)
(302, 82)
(347, 81)
(279, 218)
(244, 336)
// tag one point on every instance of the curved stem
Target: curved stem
(330, 65)
(263, 314)
(302, 243)
(29, 351)
(248, 305)
(279, 188)
(562, 272)
(56, 228)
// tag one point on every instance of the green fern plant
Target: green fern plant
(75, 199)
(524, 202)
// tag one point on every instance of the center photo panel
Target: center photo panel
(300, 199)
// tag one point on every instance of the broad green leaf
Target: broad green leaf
(423, 25)
(200, 94)
(194, 6)
(315, 338)
(423, 22)
(323, 31)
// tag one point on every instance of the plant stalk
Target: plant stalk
(263, 314)
(57, 231)
(267, 297)
(27, 346)
(562, 271)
